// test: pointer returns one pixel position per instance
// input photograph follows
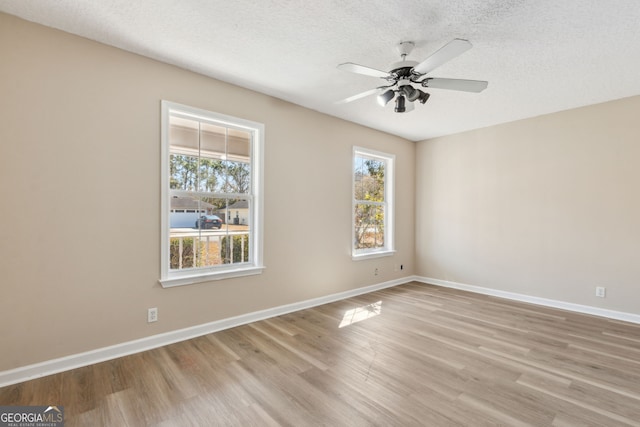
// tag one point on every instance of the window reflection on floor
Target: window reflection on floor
(359, 314)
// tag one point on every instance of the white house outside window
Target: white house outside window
(373, 207)
(211, 166)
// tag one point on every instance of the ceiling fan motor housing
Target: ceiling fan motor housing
(402, 68)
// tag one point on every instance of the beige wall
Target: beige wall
(546, 207)
(79, 182)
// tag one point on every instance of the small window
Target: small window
(211, 164)
(373, 208)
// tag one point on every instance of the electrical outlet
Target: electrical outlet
(601, 291)
(152, 315)
(375, 272)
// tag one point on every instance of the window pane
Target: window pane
(239, 145)
(211, 175)
(369, 179)
(378, 237)
(183, 172)
(234, 248)
(185, 211)
(181, 252)
(235, 245)
(238, 177)
(373, 181)
(213, 141)
(183, 136)
(369, 226)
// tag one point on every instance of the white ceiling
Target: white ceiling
(539, 56)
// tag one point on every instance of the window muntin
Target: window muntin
(211, 168)
(372, 220)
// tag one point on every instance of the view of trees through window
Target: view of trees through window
(369, 195)
(190, 173)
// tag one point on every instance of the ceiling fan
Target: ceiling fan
(405, 75)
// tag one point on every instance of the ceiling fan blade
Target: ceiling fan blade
(361, 69)
(358, 96)
(456, 84)
(446, 53)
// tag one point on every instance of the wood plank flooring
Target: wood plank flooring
(412, 355)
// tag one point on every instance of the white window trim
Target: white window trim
(389, 217)
(191, 276)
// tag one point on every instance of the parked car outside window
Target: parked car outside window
(209, 221)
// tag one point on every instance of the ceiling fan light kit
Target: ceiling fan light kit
(400, 108)
(385, 97)
(409, 91)
(405, 74)
(424, 96)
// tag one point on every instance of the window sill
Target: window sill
(369, 255)
(208, 277)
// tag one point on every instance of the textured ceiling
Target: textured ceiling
(539, 56)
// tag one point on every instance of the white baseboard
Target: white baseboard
(586, 309)
(29, 372)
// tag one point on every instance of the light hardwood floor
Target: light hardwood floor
(413, 355)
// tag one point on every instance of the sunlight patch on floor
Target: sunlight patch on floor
(359, 314)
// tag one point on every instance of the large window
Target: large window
(211, 196)
(372, 203)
